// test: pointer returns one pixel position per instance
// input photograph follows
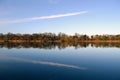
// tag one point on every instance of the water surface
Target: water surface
(60, 63)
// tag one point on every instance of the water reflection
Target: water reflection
(63, 45)
(43, 62)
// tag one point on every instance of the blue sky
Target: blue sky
(24, 16)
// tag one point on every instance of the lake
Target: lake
(59, 62)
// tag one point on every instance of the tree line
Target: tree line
(60, 37)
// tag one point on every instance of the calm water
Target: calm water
(70, 63)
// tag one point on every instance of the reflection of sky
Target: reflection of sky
(42, 62)
(85, 57)
(99, 62)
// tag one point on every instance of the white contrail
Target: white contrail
(42, 17)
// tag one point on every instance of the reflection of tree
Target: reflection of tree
(60, 45)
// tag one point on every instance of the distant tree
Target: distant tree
(60, 37)
(1, 36)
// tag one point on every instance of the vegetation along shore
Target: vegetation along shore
(60, 37)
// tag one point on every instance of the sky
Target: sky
(67, 16)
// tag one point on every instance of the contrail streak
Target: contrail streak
(42, 17)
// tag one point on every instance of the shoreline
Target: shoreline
(40, 41)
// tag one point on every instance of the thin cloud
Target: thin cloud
(42, 17)
(53, 1)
